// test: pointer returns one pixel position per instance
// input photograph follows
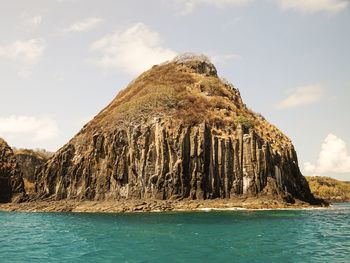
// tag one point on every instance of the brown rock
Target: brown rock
(29, 161)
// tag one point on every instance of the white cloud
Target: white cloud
(302, 95)
(24, 73)
(58, 77)
(133, 50)
(67, 1)
(217, 59)
(31, 128)
(35, 20)
(314, 6)
(84, 25)
(30, 22)
(189, 6)
(30, 51)
(25, 54)
(333, 158)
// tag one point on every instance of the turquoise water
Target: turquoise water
(232, 236)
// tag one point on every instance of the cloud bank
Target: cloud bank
(333, 158)
(25, 54)
(314, 6)
(301, 6)
(35, 20)
(188, 6)
(133, 50)
(27, 128)
(302, 95)
(84, 25)
(30, 50)
(31, 22)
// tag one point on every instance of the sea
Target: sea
(315, 235)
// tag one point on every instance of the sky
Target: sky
(62, 61)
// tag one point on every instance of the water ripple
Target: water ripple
(231, 236)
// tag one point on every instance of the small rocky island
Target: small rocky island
(176, 138)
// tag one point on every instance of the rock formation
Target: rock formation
(329, 189)
(11, 182)
(176, 132)
(29, 161)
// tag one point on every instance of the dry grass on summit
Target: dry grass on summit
(178, 92)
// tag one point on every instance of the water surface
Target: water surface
(231, 236)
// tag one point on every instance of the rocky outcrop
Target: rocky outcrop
(29, 161)
(11, 182)
(176, 132)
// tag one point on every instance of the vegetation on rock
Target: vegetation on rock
(245, 122)
(329, 188)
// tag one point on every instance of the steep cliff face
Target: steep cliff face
(177, 131)
(11, 182)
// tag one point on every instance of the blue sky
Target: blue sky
(62, 61)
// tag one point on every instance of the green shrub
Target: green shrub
(245, 122)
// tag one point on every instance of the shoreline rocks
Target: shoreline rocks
(153, 205)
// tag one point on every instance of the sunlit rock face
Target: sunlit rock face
(176, 132)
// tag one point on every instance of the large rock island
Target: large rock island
(177, 133)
